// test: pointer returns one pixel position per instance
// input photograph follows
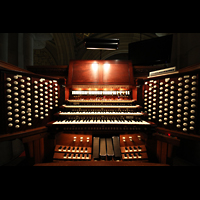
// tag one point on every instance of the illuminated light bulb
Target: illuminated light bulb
(106, 66)
(95, 66)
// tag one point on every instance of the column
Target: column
(20, 50)
(28, 49)
(4, 47)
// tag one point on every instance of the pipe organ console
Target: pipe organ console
(96, 116)
(105, 110)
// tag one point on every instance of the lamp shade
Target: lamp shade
(101, 44)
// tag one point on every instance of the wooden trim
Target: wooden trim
(163, 138)
(179, 134)
(22, 134)
(100, 163)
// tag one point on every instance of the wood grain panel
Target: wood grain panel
(108, 72)
(116, 73)
(85, 73)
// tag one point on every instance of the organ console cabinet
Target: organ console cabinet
(99, 114)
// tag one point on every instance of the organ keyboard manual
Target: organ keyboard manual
(99, 114)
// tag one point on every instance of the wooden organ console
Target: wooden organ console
(100, 118)
(100, 115)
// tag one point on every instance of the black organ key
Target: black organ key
(117, 150)
(96, 148)
(103, 148)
